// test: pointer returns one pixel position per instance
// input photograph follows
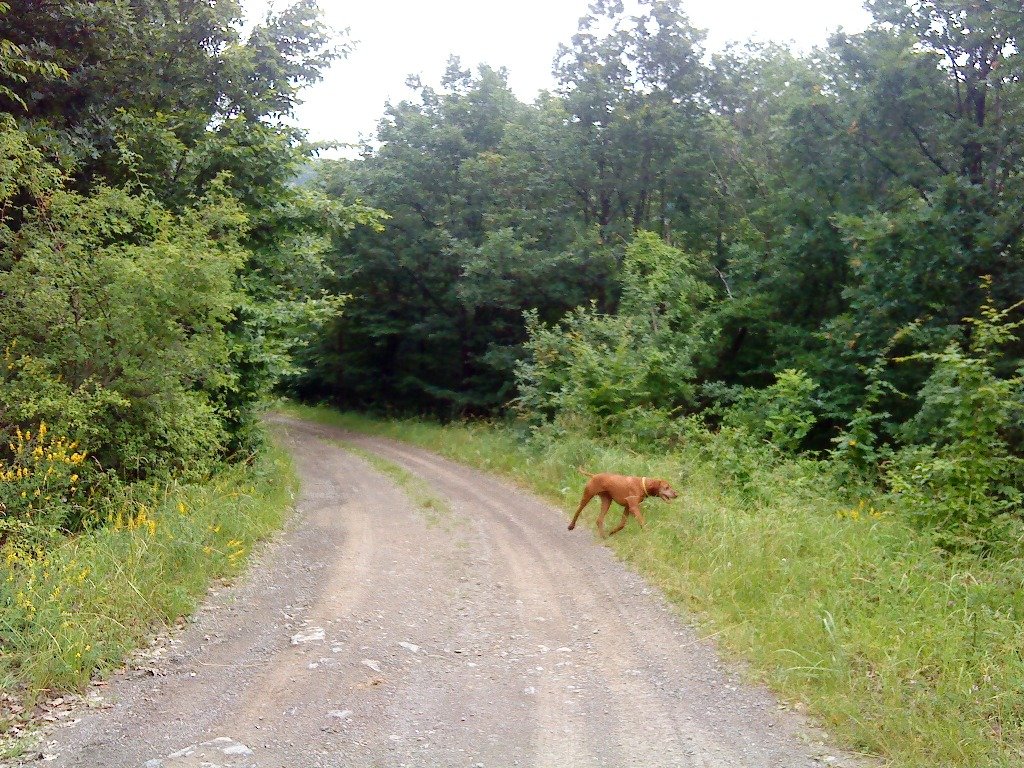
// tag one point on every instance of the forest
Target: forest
(823, 252)
(803, 272)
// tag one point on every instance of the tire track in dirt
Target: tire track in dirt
(560, 740)
(663, 708)
(647, 739)
(484, 636)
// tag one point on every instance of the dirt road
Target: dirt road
(470, 629)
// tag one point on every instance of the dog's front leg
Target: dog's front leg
(606, 503)
(622, 522)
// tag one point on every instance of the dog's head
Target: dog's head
(663, 490)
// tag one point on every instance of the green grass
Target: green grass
(80, 608)
(900, 651)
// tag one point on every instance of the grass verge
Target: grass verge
(900, 651)
(80, 608)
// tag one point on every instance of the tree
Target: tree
(160, 183)
(438, 294)
(631, 94)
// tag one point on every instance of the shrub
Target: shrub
(116, 313)
(43, 484)
(588, 365)
(623, 373)
(859, 447)
(782, 414)
(962, 478)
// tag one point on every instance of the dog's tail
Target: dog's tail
(582, 471)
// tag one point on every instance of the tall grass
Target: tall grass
(900, 650)
(79, 608)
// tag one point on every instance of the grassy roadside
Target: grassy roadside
(835, 603)
(80, 608)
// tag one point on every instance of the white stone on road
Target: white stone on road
(311, 635)
(222, 752)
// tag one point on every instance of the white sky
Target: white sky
(397, 38)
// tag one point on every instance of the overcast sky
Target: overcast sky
(396, 38)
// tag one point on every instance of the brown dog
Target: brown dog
(625, 490)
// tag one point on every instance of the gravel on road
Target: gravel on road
(469, 630)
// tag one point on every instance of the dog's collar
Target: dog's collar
(643, 483)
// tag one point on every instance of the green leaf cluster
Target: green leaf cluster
(116, 321)
(959, 473)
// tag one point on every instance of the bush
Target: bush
(44, 488)
(588, 366)
(623, 373)
(783, 414)
(116, 314)
(962, 479)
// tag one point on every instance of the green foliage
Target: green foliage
(783, 414)
(116, 322)
(825, 189)
(594, 366)
(438, 293)
(960, 475)
(667, 290)
(174, 105)
(630, 84)
(619, 372)
(789, 409)
(285, 52)
(860, 445)
(16, 67)
(184, 66)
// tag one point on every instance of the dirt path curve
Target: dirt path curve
(474, 631)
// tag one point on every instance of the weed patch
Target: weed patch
(77, 609)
